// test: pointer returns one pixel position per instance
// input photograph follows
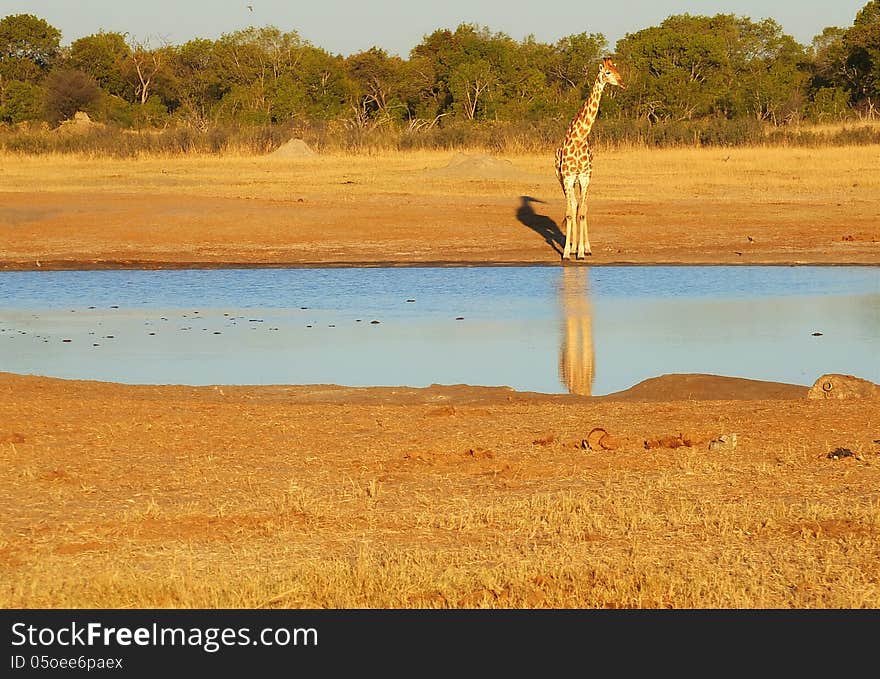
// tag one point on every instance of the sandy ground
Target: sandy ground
(70, 231)
(439, 209)
(155, 496)
(102, 481)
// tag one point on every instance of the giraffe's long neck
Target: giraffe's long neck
(583, 122)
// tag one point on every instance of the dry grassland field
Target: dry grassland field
(117, 496)
(646, 206)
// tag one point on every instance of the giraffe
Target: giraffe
(574, 163)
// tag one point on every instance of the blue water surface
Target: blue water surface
(549, 329)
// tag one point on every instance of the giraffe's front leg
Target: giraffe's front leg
(583, 244)
(567, 221)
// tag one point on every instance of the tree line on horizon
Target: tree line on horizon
(703, 79)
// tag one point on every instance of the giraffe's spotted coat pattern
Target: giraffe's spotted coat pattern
(574, 163)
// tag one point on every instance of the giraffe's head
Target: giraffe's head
(609, 74)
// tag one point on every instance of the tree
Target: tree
(861, 43)
(28, 46)
(470, 84)
(575, 60)
(103, 56)
(524, 90)
(145, 67)
(20, 101)
(69, 91)
(773, 72)
(253, 62)
(570, 68)
(828, 58)
(326, 85)
(425, 98)
(195, 84)
(691, 67)
(469, 66)
(376, 77)
(828, 104)
(678, 69)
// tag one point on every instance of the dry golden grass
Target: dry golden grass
(834, 128)
(655, 541)
(734, 173)
(174, 497)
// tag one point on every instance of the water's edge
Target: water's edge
(149, 265)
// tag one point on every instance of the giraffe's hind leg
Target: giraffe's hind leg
(583, 238)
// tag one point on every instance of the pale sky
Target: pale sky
(345, 27)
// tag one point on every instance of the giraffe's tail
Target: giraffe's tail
(558, 165)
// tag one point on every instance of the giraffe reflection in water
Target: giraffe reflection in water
(576, 356)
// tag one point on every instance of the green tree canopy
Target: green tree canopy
(719, 66)
(377, 79)
(574, 58)
(688, 73)
(103, 56)
(828, 57)
(862, 46)
(28, 46)
(20, 102)
(468, 65)
(195, 82)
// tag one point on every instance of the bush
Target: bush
(828, 104)
(67, 92)
(737, 132)
(152, 113)
(21, 102)
(497, 137)
(114, 111)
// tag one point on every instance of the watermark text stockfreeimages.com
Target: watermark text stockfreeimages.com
(209, 639)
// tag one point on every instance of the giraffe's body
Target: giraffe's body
(574, 163)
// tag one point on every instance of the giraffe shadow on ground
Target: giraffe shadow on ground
(540, 224)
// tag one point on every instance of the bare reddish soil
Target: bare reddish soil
(92, 230)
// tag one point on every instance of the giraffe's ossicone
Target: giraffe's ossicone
(574, 163)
